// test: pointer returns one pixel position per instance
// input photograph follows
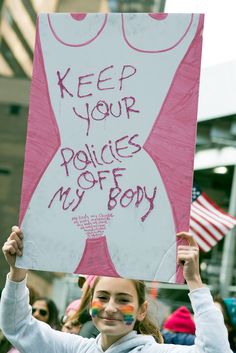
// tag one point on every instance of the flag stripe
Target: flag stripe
(201, 243)
(202, 233)
(208, 220)
(211, 206)
(219, 221)
(208, 223)
(211, 231)
(205, 225)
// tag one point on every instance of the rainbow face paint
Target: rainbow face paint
(128, 313)
(126, 310)
(96, 307)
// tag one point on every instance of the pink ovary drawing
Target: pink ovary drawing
(164, 83)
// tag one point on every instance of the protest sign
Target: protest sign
(110, 143)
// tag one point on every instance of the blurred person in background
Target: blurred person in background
(231, 307)
(44, 309)
(179, 327)
(80, 321)
(71, 326)
(228, 309)
(68, 325)
(5, 345)
(72, 307)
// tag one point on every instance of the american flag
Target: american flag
(208, 223)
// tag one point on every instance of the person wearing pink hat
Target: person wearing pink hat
(69, 325)
(73, 307)
(85, 281)
(90, 279)
(179, 327)
(78, 319)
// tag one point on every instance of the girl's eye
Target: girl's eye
(124, 301)
(102, 298)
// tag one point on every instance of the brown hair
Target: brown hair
(145, 327)
(84, 304)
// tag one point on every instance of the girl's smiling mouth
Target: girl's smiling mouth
(110, 319)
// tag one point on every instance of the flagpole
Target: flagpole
(227, 264)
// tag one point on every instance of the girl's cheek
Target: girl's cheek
(96, 307)
(128, 313)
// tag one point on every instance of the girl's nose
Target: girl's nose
(110, 306)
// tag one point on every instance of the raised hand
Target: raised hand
(14, 247)
(188, 257)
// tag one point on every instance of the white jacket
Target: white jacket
(29, 335)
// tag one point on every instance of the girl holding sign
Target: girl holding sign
(118, 309)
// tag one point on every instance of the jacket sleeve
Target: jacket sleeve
(211, 333)
(25, 332)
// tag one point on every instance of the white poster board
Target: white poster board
(110, 143)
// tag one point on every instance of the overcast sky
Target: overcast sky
(219, 39)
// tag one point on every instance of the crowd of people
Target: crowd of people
(43, 309)
(112, 314)
(179, 327)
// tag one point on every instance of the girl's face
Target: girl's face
(40, 310)
(71, 327)
(115, 308)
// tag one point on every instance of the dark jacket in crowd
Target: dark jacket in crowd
(185, 339)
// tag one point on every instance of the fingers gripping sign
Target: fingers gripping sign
(13, 246)
(188, 258)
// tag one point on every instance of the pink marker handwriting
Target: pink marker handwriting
(88, 85)
(137, 196)
(112, 151)
(93, 225)
(129, 196)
